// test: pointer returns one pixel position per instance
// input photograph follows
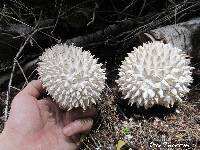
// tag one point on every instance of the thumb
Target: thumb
(78, 126)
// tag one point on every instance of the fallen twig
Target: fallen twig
(11, 78)
(12, 74)
(93, 15)
(22, 71)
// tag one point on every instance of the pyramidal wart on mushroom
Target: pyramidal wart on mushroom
(71, 76)
(155, 73)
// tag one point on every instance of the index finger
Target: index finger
(34, 88)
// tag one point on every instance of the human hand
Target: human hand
(40, 125)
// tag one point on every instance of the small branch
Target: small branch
(6, 107)
(98, 145)
(15, 88)
(21, 70)
(57, 40)
(93, 16)
(127, 7)
(12, 73)
(143, 5)
(58, 16)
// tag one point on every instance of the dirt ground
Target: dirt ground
(156, 128)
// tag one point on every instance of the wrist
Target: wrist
(4, 142)
(7, 142)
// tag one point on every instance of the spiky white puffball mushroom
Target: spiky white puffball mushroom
(71, 76)
(155, 73)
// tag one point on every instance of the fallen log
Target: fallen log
(179, 35)
(101, 35)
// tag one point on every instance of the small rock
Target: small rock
(197, 119)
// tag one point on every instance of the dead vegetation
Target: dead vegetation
(145, 129)
(109, 29)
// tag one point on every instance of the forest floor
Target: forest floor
(117, 125)
(157, 128)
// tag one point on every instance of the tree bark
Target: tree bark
(179, 35)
